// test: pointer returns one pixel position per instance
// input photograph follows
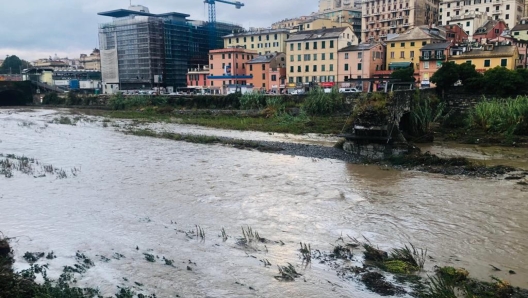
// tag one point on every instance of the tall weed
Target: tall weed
(319, 102)
(252, 101)
(501, 115)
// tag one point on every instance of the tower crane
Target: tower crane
(212, 18)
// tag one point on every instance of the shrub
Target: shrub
(117, 102)
(72, 99)
(501, 115)
(52, 99)
(319, 102)
(426, 109)
(370, 110)
(252, 101)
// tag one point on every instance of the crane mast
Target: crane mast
(212, 18)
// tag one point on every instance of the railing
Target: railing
(429, 58)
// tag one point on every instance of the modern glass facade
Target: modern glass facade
(148, 45)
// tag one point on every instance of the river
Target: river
(135, 195)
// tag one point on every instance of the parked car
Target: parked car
(348, 90)
(297, 92)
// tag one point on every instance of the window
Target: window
(291, 46)
(315, 68)
(360, 55)
(223, 65)
(223, 56)
(263, 66)
(359, 66)
(346, 66)
(299, 46)
(426, 64)
(307, 68)
(402, 54)
(323, 56)
(467, 24)
(516, 33)
(507, 17)
(346, 55)
(299, 58)
(230, 41)
(402, 45)
(307, 57)
(424, 43)
(273, 78)
(504, 62)
(392, 55)
(299, 79)
(263, 76)
(507, 6)
(251, 67)
(211, 57)
(315, 45)
(315, 57)
(229, 56)
(448, 13)
(291, 58)
(306, 45)
(275, 36)
(299, 69)
(252, 39)
(393, 45)
(323, 68)
(211, 66)
(331, 67)
(290, 80)
(487, 63)
(260, 37)
(412, 54)
(331, 44)
(468, 61)
(412, 43)
(331, 56)
(323, 44)
(291, 69)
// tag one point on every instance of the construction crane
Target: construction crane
(212, 18)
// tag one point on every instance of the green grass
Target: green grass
(501, 115)
(281, 124)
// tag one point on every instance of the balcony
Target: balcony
(457, 8)
(496, 12)
(406, 25)
(365, 30)
(371, 22)
(497, 2)
(377, 29)
(432, 58)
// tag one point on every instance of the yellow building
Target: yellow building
(404, 49)
(264, 41)
(520, 31)
(489, 56)
(319, 23)
(311, 56)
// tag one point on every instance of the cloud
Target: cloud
(33, 29)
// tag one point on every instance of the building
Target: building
(520, 31)
(490, 30)
(54, 63)
(431, 58)
(268, 72)
(381, 18)
(92, 61)
(197, 77)
(403, 50)
(455, 34)
(470, 22)
(140, 50)
(312, 55)
(263, 41)
(511, 11)
(325, 5)
(360, 62)
(289, 23)
(227, 68)
(486, 57)
(351, 16)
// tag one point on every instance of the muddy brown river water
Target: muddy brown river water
(133, 194)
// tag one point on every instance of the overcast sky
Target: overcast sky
(33, 29)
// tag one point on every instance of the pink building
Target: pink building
(227, 67)
(197, 77)
(490, 30)
(359, 62)
(431, 58)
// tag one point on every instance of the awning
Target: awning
(398, 65)
(327, 84)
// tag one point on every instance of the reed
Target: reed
(501, 115)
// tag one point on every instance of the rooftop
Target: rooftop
(497, 51)
(317, 34)
(419, 33)
(520, 27)
(487, 27)
(264, 58)
(436, 46)
(257, 32)
(359, 47)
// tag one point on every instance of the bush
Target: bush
(252, 101)
(319, 102)
(117, 102)
(502, 115)
(72, 99)
(426, 109)
(52, 99)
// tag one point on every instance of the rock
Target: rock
(377, 284)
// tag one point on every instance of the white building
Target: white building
(511, 11)
(470, 22)
(326, 5)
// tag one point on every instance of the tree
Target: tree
(13, 64)
(446, 76)
(404, 74)
(501, 81)
(466, 72)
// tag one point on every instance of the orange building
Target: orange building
(197, 77)
(268, 72)
(228, 67)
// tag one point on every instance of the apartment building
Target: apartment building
(350, 16)
(263, 41)
(487, 57)
(431, 58)
(490, 30)
(520, 31)
(325, 5)
(455, 33)
(268, 72)
(311, 55)
(92, 61)
(197, 77)
(359, 62)
(383, 17)
(511, 11)
(290, 23)
(404, 49)
(228, 67)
